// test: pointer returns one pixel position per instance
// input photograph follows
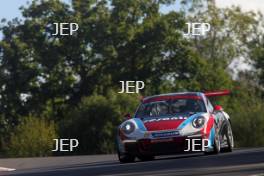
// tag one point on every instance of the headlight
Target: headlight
(128, 127)
(198, 122)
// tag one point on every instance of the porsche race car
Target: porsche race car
(175, 123)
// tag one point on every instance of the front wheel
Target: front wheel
(125, 158)
(217, 144)
(230, 140)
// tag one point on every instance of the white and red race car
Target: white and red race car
(175, 123)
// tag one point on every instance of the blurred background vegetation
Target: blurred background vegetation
(66, 86)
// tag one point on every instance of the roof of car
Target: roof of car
(191, 95)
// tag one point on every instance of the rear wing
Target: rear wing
(217, 93)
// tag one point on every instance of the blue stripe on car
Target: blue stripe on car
(211, 137)
(140, 124)
(189, 120)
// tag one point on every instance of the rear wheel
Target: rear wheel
(125, 157)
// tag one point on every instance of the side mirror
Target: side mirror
(218, 108)
(127, 116)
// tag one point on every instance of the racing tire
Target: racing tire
(146, 157)
(230, 140)
(126, 158)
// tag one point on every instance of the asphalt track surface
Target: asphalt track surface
(240, 162)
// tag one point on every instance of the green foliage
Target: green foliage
(231, 32)
(258, 55)
(94, 121)
(246, 112)
(32, 137)
(202, 76)
(73, 80)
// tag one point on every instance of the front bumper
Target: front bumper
(162, 146)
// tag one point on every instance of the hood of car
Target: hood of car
(164, 123)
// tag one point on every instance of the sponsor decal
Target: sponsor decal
(161, 140)
(165, 134)
(165, 119)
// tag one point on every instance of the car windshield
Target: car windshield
(170, 107)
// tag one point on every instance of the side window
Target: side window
(210, 106)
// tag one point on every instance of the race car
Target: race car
(175, 123)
